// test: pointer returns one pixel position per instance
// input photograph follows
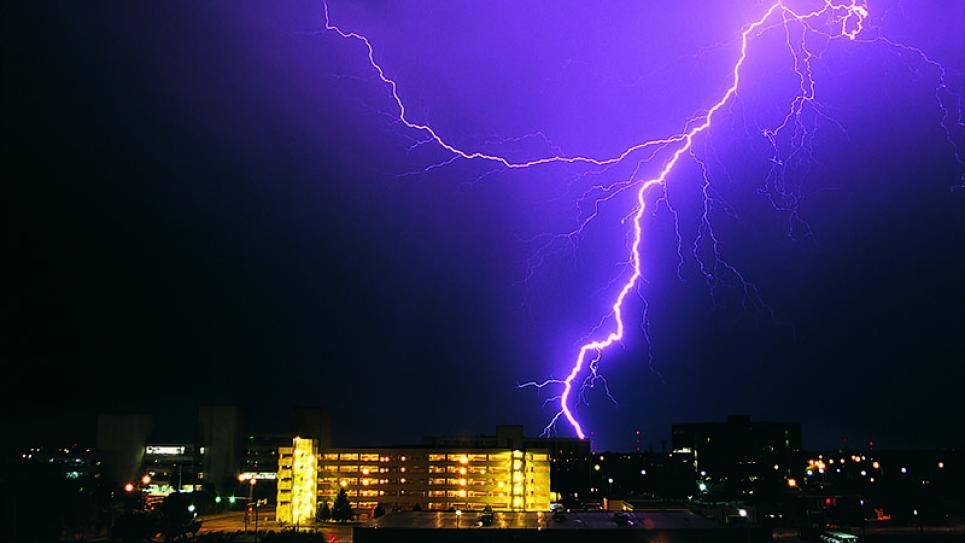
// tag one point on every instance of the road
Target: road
(234, 521)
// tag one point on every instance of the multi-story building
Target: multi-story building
(569, 456)
(260, 458)
(172, 468)
(221, 434)
(120, 442)
(412, 477)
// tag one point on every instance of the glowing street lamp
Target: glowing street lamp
(251, 492)
(458, 517)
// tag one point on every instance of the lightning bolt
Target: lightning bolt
(830, 21)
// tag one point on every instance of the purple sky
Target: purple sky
(222, 191)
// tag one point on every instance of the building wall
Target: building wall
(120, 442)
(172, 467)
(569, 456)
(298, 475)
(221, 438)
(430, 478)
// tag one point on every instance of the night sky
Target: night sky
(211, 202)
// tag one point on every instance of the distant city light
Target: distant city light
(941, 465)
(904, 470)
(792, 482)
(168, 451)
(742, 512)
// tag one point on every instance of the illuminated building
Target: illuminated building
(172, 468)
(569, 456)
(424, 477)
(298, 475)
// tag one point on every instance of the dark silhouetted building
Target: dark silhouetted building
(120, 443)
(733, 457)
(221, 436)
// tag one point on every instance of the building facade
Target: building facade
(570, 457)
(419, 477)
(168, 468)
(120, 442)
(221, 435)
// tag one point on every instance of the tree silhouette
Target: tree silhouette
(176, 516)
(342, 510)
(324, 513)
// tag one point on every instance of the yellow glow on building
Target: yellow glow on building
(297, 480)
(437, 479)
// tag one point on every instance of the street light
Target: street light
(251, 492)
(458, 516)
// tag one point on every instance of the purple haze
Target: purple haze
(808, 32)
